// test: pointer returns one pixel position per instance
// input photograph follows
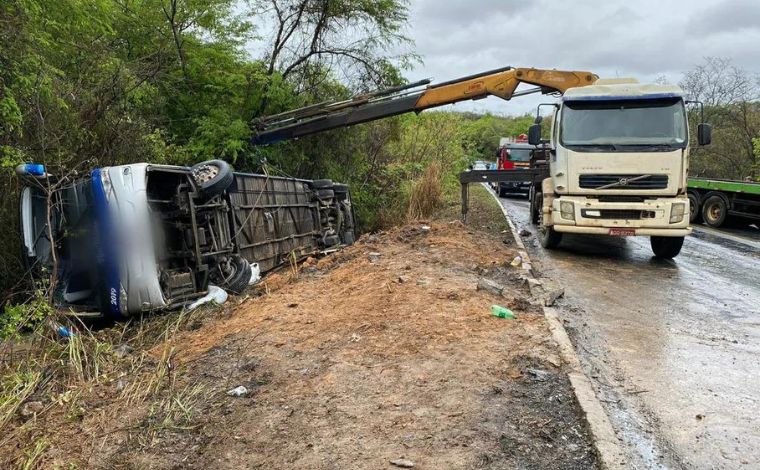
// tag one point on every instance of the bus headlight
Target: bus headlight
(567, 210)
(677, 212)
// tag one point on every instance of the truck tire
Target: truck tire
(322, 184)
(535, 204)
(695, 214)
(714, 211)
(547, 236)
(213, 177)
(666, 247)
(241, 277)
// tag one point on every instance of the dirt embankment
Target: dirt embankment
(383, 351)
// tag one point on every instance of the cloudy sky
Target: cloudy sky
(613, 38)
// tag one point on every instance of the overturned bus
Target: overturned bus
(129, 239)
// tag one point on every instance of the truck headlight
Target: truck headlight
(677, 212)
(567, 210)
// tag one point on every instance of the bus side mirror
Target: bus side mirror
(704, 134)
(534, 134)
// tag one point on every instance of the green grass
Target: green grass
(484, 212)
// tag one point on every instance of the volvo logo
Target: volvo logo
(623, 182)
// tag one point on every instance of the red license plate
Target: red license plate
(622, 232)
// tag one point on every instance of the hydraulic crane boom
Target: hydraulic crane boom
(411, 98)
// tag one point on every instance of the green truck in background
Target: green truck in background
(716, 201)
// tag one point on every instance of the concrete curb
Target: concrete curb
(606, 443)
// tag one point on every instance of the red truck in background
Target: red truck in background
(513, 154)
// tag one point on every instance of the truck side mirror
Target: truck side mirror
(534, 134)
(704, 134)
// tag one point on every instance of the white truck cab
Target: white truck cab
(619, 157)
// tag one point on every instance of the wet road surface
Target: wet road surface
(673, 346)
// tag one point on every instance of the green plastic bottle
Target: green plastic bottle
(502, 312)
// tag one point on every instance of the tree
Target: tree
(348, 39)
(730, 96)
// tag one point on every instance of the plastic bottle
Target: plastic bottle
(502, 312)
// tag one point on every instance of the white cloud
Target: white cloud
(642, 39)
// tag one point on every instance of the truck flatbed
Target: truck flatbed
(714, 201)
(714, 184)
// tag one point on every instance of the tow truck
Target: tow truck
(618, 152)
(619, 156)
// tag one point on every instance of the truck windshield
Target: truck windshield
(632, 124)
(519, 155)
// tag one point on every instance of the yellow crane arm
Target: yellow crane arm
(502, 84)
(398, 100)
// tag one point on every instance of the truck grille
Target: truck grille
(617, 214)
(652, 182)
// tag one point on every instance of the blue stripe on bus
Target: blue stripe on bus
(110, 260)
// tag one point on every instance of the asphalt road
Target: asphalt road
(673, 346)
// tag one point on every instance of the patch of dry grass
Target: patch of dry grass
(427, 192)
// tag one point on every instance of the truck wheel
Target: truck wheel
(535, 205)
(213, 177)
(666, 247)
(695, 215)
(547, 236)
(714, 211)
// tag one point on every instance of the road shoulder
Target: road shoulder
(605, 441)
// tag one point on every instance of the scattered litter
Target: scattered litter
(403, 463)
(517, 262)
(123, 350)
(490, 286)
(62, 331)
(502, 312)
(215, 294)
(402, 279)
(539, 374)
(423, 282)
(552, 297)
(239, 391)
(374, 257)
(425, 228)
